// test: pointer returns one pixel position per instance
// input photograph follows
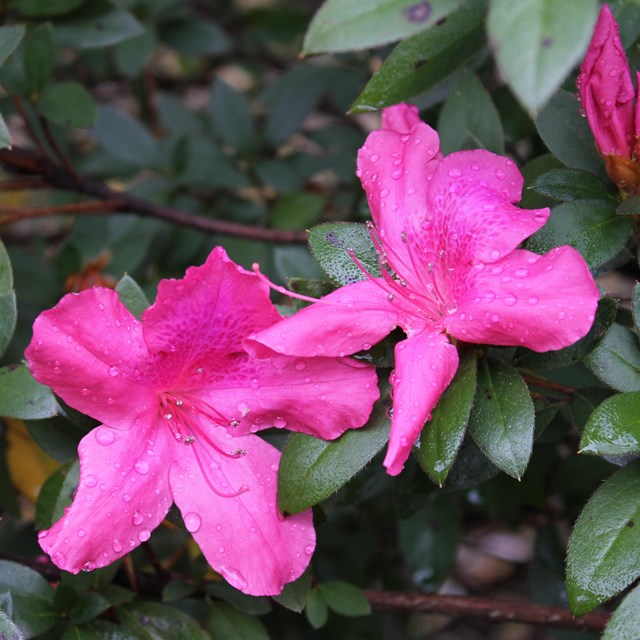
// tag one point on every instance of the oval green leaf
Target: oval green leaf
(625, 622)
(8, 309)
(132, 296)
(502, 419)
(344, 598)
(68, 104)
(573, 184)
(616, 360)
(602, 552)
(22, 397)
(443, 434)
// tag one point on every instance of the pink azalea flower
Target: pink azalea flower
(607, 95)
(446, 231)
(179, 400)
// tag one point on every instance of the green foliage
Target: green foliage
(22, 397)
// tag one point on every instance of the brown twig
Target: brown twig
(24, 184)
(13, 214)
(547, 384)
(53, 143)
(485, 609)
(23, 161)
(19, 105)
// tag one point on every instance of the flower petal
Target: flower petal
(89, 349)
(206, 313)
(319, 396)
(244, 538)
(606, 89)
(425, 366)
(344, 322)
(395, 169)
(470, 213)
(540, 302)
(401, 117)
(122, 496)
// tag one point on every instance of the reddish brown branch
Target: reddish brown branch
(23, 161)
(547, 384)
(13, 214)
(485, 609)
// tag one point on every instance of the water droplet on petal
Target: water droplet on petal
(116, 546)
(105, 436)
(126, 497)
(144, 535)
(85, 391)
(510, 300)
(81, 533)
(533, 301)
(455, 173)
(142, 467)
(137, 519)
(521, 273)
(91, 481)
(113, 371)
(192, 522)
(279, 423)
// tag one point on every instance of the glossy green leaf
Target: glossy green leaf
(616, 360)
(42, 8)
(590, 226)
(442, 436)
(567, 135)
(635, 308)
(572, 184)
(132, 296)
(68, 104)
(156, 620)
(88, 605)
(331, 244)
(8, 629)
(294, 595)
(56, 494)
(57, 436)
(630, 207)
(429, 541)
(613, 429)
(232, 117)
(31, 597)
(39, 56)
(297, 210)
(601, 557)
(253, 605)
(5, 136)
(228, 623)
(312, 469)
(8, 310)
(177, 590)
(96, 24)
(426, 59)
(537, 42)
(469, 119)
(196, 37)
(625, 622)
(344, 25)
(22, 397)
(605, 315)
(502, 418)
(10, 38)
(344, 598)
(316, 610)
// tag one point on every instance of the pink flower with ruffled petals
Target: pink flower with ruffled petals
(179, 400)
(446, 231)
(607, 96)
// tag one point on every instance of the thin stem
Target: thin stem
(53, 143)
(534, 381)
(13, 214)
(19, 105)
(24, 161)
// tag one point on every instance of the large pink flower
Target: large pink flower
(179, 400)
(607, 95)
(446, 232)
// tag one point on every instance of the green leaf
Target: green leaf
(56, 494)
(635, 308)
(39, 56)
(96, 24)
(330, 245)
(425, 60)
(8, 629)
(8, 310)
(232, 117)
(616, 360)
(22, 397)
(228, 623)
(469, 119)
(443, 435)
(253, 605)
(5, 136)
(344, 598)
(429, 541)
(41, 8)
(68, 104)
(31, 596)
(590, 226)
(177, 590)
(601, 557)
(312, 469)
(88, 605)
(9, 39)
(567, 135)
(613, 429)
(316, 610)
(297, 210)
(132, 296)
(625, 622)
(572, 184)
(630, 207)
(57, 436)
(196, 37)
(344, 25)
(155, 621)
(605, 315)
(294, 595)
(502, 418)
(538, 42)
